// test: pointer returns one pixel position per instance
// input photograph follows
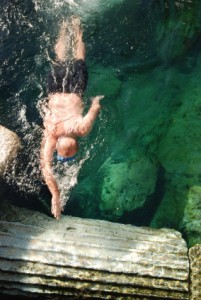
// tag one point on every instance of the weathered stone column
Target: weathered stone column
(195, 272)
(89, 258)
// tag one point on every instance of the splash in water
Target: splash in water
(25, 171)
(66, 175)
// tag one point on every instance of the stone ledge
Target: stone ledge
(89, 258)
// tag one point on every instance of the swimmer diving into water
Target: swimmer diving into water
(63, 119)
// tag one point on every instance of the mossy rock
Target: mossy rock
(127, 185)
(192, 216)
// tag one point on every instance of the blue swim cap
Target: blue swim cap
(65, 159)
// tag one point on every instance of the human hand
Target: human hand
(56, 207)
(97, 98)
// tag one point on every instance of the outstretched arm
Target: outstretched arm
(48, 146)
(86, 124)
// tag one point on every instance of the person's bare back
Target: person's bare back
(64, 116)
(64, 111)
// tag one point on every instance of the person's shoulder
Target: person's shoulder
(74, 98)
(53, 98)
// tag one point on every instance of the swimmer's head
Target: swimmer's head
(66, 147)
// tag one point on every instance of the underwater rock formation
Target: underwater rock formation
(127, 185)
(179, 154)
(176, 35)
(89, 258)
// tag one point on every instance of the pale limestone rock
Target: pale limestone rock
(9, 146)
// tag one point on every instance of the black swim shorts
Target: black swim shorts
(68, 77)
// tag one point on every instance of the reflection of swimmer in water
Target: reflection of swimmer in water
(63, 120)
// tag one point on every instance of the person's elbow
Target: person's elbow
(83, 130)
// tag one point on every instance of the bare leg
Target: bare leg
(79, 51)
(62, 44)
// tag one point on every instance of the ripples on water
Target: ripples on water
(117, 33)
(27, 35)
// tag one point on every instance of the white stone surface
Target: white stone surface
(89, 258)
(9, 146)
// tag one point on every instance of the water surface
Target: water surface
(141, 160)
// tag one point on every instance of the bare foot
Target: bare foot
(76, 24)
(57, 208)
(62, 43)
(75, 20)
(56, 211)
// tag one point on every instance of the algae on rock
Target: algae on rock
(180, 154)
(126, 185)
(192, 216)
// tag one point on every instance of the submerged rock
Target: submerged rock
(123, 171)
(180, 156)
(127, 185)
(176, 35)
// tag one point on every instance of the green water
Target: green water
(142, 162)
